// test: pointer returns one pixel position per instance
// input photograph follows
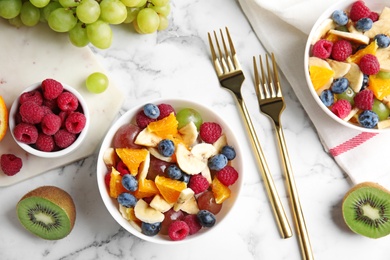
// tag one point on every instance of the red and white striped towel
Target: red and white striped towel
(282, 27)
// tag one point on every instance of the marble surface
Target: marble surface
(176, 63)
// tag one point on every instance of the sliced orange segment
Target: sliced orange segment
(132, 158)
(220, 191)
(146, 188)
(164, 127)
(379, 86)
(320, 76)
(170, 189)
(3, 118)
(116, 186)
(370, 49)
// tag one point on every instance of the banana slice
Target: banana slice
(144, 168)
(207, 174)
(147, 214)
(355, 77)
(339, 68)
(110, 157)
(355, 37)
(147, 138)
(160, 204)
(204, 151)
(128, 214)
(190, 206)
(383, 56)
(187, 161)
(189, 133)
(324, 27)
(153, 151)
(221, 142)
(384, 124)
(315, 61)
(184, 196)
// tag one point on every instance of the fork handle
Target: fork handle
(282, 221)
(296, 205)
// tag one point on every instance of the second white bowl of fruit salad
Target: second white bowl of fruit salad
(185, 168)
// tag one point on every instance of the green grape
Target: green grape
(148, 20)
(10, 8)
(16, 21)
(142, 3)
(100, 34)
(163, 10)
(131, 3)
(40, 3)
(97, 82)
(159, 2)
(29, 14)
(187, 115)
(132, 13)
(136, 28)
(348, 95)
(113, 11)
(381, 110)
(163, 22)
(78, 35)
(46, 11)
(69, 3)
(383, 74)
(62, 20)
(88, 11)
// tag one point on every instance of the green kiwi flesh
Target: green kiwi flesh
(48, 212)
(366, 210)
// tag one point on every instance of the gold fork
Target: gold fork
(272, 104)
(231, 77)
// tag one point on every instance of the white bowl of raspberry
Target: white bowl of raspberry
(170, 171)
(49, 119)
(346, 64)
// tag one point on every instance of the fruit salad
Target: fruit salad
(169, 171)
(349, 65)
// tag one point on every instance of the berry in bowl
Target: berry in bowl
(347, 64)
(169, 171)
(49, 119)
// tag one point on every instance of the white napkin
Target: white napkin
(283, 26)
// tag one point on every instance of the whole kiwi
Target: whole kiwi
(366, 210)
(48, 212)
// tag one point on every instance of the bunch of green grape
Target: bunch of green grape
(88, 21)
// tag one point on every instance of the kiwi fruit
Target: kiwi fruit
(366, 210)
(48, 212)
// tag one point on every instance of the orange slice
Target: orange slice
(132, 158)
(116, 186)
(220, 191)
(370, 49)
(379, 86)
(320, 76)
(3, 118)
(170, 189)
(146, 188)
(165, 127)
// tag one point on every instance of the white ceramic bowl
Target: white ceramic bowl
(207, 115)
(374, 5)
(54, 154)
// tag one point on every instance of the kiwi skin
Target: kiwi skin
(56, 199)
(378, 198)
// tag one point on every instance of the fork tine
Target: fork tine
(276, 77)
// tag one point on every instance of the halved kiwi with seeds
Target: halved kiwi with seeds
(366, 210)
(48, 212)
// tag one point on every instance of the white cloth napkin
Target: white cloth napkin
(283, 26)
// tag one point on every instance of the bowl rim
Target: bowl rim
(102, 169)
(343, 5)
(54, 154)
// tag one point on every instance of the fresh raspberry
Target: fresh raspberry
(122, 168)
(107, 179)
(342, 49)
(45, 143)
(75, 122)
(46, 110)
(63, 138)
(210, 132)
(165, 110)
(322, 49)
(227, 176)
(52, 104)
(31, 112)
(26, 133)
(10, 164)
(193, 223)
(359, 10)
(374, 16)
(51, 88)
(341, 108)
(142, 120)
(63, 115)
(178, 230)
(33, 95)
(369, 64)
(50, 124)
(198, 183)
(364, 99)
(67, 101)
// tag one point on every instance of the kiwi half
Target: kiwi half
(366, 210)
(48, 212)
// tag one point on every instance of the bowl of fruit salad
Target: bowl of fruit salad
(347, 64)
(49, 119)
(169, 171)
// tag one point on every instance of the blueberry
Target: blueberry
(206, 218)
(185, 177)
(150, 229)
(365, 82)
(364, 24)
(340, 17)
(368, 119)
(382, 40)
(129, 182)
(151, 111)
(127, 200)
(339, 85)
(217, 162)
(327, 97)
(174, 172)
(229, 152)
(166, 147)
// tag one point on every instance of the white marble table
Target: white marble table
(176, 63)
